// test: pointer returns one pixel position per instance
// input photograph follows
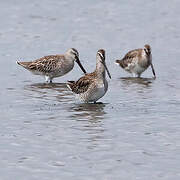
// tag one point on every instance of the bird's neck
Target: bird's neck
(100, 70)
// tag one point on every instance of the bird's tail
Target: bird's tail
(70, 84)
(120, 63)
(23, 64)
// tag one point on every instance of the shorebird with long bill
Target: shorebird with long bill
(54, 65)
(137, 61)
(91, 87)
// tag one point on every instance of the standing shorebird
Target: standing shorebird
(92, 86)
(54, 65)
(137, 61)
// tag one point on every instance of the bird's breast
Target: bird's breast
(64, 68)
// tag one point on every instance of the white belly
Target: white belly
(138, 69)
(95, 92)
(98, 94)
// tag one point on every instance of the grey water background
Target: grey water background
(46, 134)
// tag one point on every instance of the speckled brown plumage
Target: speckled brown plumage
(53, 65)
(92, 86)
(129, 57)
(46, 64)
(137, 61)
(83, 83)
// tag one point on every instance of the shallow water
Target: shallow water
(46, 133)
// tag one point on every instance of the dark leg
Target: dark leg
(48, 79)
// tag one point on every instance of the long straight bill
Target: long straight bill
(80, 65)
(153, 71)
(107, 70)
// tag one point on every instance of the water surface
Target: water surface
(45, 133)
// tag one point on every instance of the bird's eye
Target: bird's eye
(101, 55)
(74, 53)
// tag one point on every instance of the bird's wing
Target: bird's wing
(82, 84)
(45, 64)
(129, 58)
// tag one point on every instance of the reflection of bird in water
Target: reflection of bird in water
(142, 81)
(92, 112)
(46, 86)
(136, 86)
(54, 65)
(89, 119)
(49, 91)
